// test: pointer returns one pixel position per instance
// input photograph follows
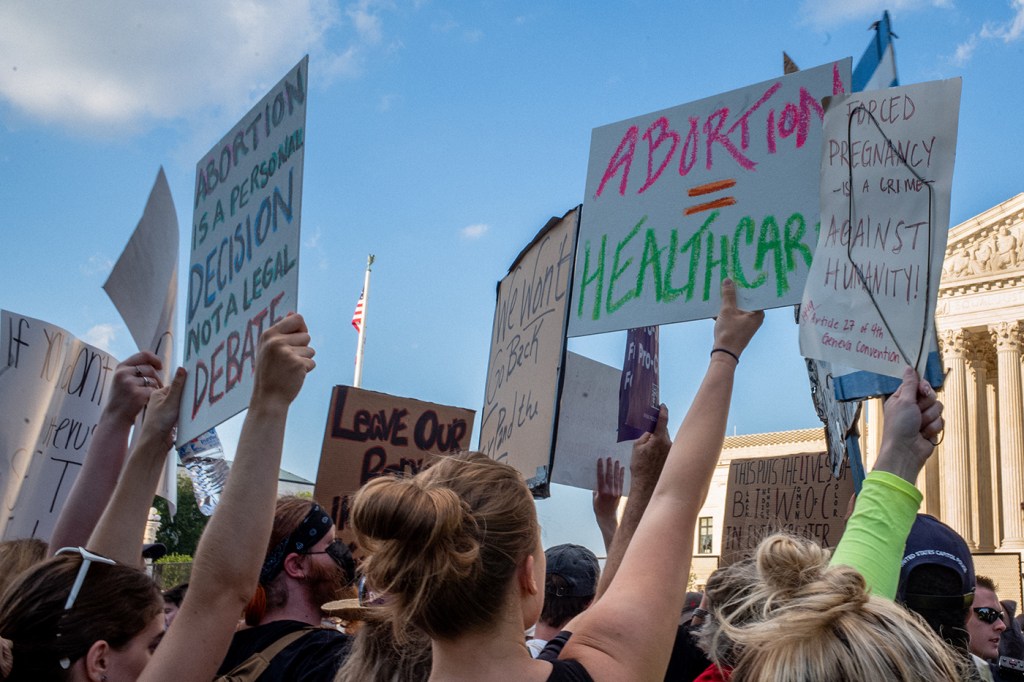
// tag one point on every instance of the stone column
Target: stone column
(1006, 337)
(980, 360)
(955, 484)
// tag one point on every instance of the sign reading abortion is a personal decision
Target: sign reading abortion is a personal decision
(244, 268)
(680, 199)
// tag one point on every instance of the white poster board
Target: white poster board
(679, 199)
(244, 272)
(588, 419)
(870, 298)
(52, 386)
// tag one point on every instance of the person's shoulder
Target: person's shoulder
(568, 671)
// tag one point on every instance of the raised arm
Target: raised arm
(118, 534)
(134, 380)
(231, 550)
(610, 476)
(628, 633)
(887, 505)
(649, 452)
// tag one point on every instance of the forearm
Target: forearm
(120, 530)
(608, 528)
(640, 492)
(94, 485)
(875, 535)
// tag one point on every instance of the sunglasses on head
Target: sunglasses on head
(987, 614)
(88, 558)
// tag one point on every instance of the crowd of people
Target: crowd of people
(455, 584)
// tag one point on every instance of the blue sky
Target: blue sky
(440, 136)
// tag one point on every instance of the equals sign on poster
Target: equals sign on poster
(710, 188)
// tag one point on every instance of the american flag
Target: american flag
(357, 316)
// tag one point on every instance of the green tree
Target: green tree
(181, 536)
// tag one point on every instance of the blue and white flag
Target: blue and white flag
(877, 67)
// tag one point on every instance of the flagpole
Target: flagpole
(357, 380)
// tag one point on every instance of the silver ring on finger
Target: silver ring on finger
(138, 372)
(145, 381)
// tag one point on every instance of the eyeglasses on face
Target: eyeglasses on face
(88, 558)
(336, 550)
(987, 614)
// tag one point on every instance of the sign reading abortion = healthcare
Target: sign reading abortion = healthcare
(244, 266)
(794, 493)
(372, 434)
(679, 199)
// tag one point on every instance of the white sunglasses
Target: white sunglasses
(87, 559)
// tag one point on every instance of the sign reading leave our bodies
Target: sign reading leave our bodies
(886, 175)
(527, 346)
(680, 199)
(793, 493)
(371, 434)
(244, 273)
(52, 387)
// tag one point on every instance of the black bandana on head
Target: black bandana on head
(314, 527)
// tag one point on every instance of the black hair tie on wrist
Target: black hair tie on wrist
(727, 352)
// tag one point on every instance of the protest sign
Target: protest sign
(792, 493)
(372, 434)
(527, 349)
(144, 288)
(587, 423)
(639, 397)
(680, 199)
(886, 174)
(244, 264)
(52, 387)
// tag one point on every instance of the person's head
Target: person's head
(303, 558)
(172, 602)
(789, 615)
(570, 583)
(986, 621)
(110, 628)
(16, 556)
(452, 545)
(937, 579)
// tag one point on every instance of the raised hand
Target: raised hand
(134, 381)
(283, 360)
(735, 327)
(162, 412)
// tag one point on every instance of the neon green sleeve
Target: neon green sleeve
(876, 533)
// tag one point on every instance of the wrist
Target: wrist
(899, 463)
(722, 350)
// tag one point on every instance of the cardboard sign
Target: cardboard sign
(587, 423)
(52, 388)
(372, 434)
(792, 493)
(527, 347)
(144, 288)
(680, 199)
(886, 174)
(244, 272)
(639, 397)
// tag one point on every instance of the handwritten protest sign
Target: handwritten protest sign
(143, 286)
(527, 346)
(886, 174)
(244, 272)
(52, 387)
(639, 397)
(792, 493)
(680, 199)
(587, 423)
(372, 434)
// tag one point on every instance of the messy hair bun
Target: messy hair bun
(788, 615)
(444, 544)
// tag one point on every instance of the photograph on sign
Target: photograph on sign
(794, 493)
(52, 389)
(588, 423)
(370, 434)
(886, 174)
(244, 265)
(527, 345)
(682, 198)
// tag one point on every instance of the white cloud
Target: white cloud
(474, 35)
(474, 231)
(96, 265)
(964, 51)
(386, 102)
(102, 336)
(1008, 31)
(826, 14)
(119, 66)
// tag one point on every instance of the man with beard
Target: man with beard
(304, 568)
